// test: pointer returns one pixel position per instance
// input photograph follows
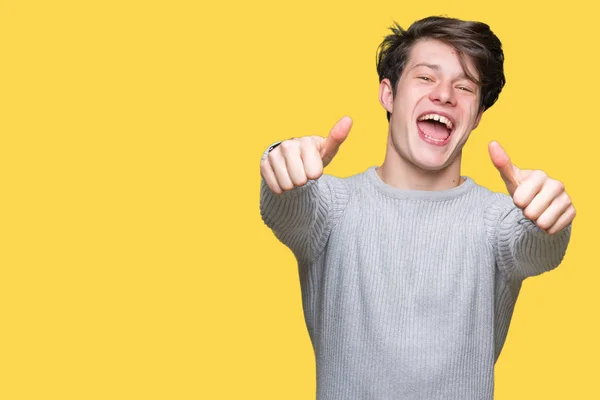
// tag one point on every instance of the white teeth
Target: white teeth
(439, 118)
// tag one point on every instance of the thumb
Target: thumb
(336, 137)
(509, 173)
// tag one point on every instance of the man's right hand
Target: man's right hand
(295, 161)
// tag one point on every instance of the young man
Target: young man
(410, 271)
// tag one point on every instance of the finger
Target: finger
(563, 221)
(269, 176)
(529, 188)
(547, 195)
(293, 161)
(309, 150)
(336, 137)
(551, 214)
(502, 162)
(279, 167)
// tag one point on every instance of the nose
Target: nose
(443, 94)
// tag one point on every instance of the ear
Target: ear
(478, 119)
(386, 95)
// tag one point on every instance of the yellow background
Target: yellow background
(133, 260)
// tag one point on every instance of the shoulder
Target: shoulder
(347, 184)
(502, 218)
(493, 201)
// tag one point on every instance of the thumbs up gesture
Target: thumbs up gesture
(542, 199)
(295, 161)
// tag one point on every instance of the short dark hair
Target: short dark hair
(469, 38)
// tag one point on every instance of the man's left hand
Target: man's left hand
(542, 199)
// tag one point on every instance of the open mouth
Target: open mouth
(435, 128)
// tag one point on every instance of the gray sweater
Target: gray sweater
(407, 294)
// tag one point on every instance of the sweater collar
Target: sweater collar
(435, 195)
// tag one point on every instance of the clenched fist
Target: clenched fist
(295, 161)
(542, 199)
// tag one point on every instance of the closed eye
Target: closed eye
(466, 89)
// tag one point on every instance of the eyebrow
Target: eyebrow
(436, 67)
(432, 66)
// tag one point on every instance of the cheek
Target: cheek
(406, 105)
(472, 112)
(470, 115)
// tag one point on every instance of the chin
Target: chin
(431, 166)
(428, 160)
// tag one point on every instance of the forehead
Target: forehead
(438, 53)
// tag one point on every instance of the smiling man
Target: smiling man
(410, 271)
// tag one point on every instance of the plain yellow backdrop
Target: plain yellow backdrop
(133, 260)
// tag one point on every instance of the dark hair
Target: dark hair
(470, 38)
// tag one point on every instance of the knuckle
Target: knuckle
(316, 174)
(275, 188)
(521, 203)
(301, 181)
(265, 166)
(287, 146)
(286, 186)
(529, 213)
(314, 170)
(544, 223)
(519, 200)
(306, 141)
(310, 145)
(559, 186)
(274, 155)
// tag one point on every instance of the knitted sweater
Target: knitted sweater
(407, 294)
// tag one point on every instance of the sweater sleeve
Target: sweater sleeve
(521, 248)
(303, 218)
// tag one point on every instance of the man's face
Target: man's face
(435, 108)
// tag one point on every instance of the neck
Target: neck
(401, 174)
